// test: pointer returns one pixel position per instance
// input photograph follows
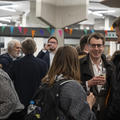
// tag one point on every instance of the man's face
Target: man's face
(96, 48)
(53, 44)
(117, 29)
(16, 50)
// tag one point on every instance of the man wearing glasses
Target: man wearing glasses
(47, 54)
(97, 73)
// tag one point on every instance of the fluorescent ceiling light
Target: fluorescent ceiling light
(7, 17)
(98, 14)
(95, 13)
(7, 9)
(96, 0)
(108, 11)
(4, 19)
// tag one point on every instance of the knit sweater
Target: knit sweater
(9, 101)
(73, 99)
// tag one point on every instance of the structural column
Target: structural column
(106, 23)
(59, 33)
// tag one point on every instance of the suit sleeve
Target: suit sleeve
(41, 54)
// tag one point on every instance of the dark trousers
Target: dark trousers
(17, 115)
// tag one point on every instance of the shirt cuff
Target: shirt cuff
(44, 51)
(88, 88)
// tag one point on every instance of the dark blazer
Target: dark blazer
(44, 56)
(113, 109)
(87, 73)
(26, 74)
(116, 62)
(5, 60)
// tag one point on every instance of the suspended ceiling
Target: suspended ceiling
(11, 10)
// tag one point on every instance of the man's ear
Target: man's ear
(23, 50)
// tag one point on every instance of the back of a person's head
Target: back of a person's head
(78, 49)
(116, 23)
(28, 46)
(83, 41)
(65, 62)
(116, 53)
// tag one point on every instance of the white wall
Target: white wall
(71, 41)
(39, 42)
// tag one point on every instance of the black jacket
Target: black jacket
(113, 109)
(44, 56)
(5, 60)
(87, 73)
(26, 74)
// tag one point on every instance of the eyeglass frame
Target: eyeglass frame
(94, 45)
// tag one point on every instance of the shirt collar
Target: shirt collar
(94, 63)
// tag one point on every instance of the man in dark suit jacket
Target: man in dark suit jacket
(92, 67)
(14, 48)
(27, 72)
(47, 54)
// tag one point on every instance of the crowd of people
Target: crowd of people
(93, 90)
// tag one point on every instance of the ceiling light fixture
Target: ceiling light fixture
(108, 11)
(95, 13)
(7, 9)
(4, 19)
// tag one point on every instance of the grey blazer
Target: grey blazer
(73, 100)
(9, 101)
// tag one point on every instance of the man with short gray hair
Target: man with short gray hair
(13, 51)
(27, 72)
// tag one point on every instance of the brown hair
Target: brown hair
(96, 36)
(28, 46)
(83, 41)
(65, 62)
(116, 23)
(53, 37)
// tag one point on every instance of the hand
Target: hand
(47, 46)
(92, 82)
(91, 100)
(97, 80)
(101, 80)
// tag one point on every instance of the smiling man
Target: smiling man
(91, 67)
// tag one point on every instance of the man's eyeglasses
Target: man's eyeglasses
(94, 45)
(53, 42)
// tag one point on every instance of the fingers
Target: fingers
(91, 100)
(47, 46)
(99, 80)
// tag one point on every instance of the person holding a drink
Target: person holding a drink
(48, 52)
(97, 74)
